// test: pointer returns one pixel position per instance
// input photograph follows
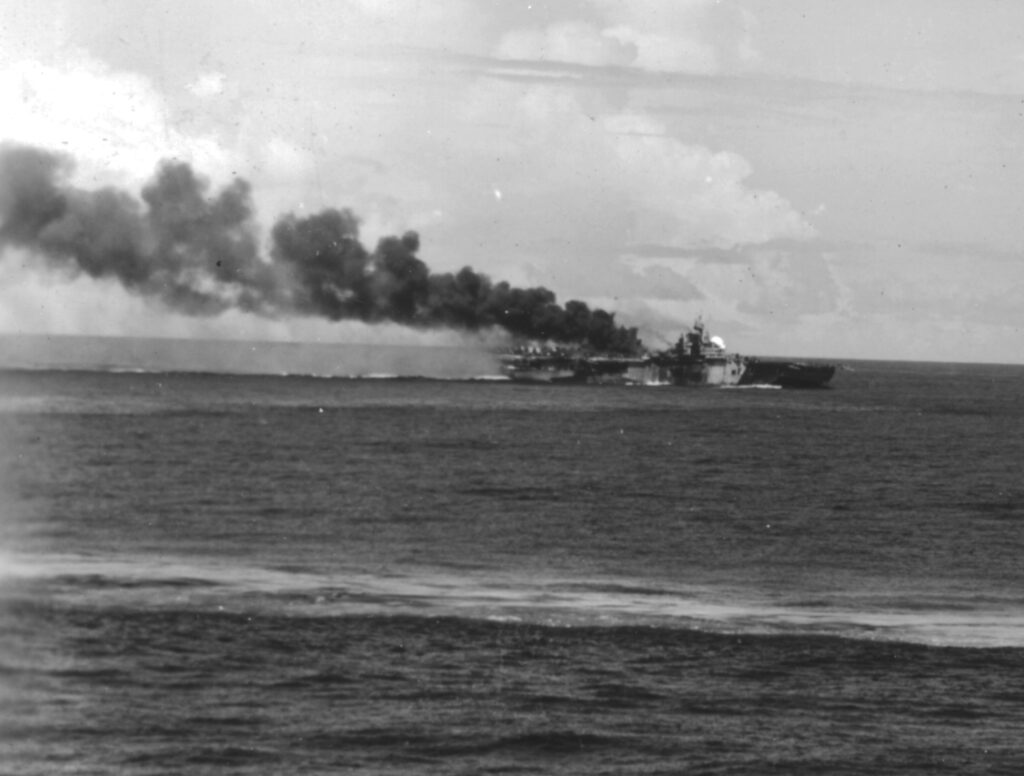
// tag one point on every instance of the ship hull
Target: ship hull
(708, 372)
(787, 374)
(726, 372)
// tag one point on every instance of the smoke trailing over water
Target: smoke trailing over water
(197, 250)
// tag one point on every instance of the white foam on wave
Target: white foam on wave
(220, 585)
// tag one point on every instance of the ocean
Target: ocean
(232, 573)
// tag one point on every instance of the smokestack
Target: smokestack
(197, 251)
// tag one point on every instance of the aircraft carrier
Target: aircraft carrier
(696, 359)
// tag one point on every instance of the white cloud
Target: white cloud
(582, 187)
(208, 85)
(688, 36)
(665, 51)
(691, 195)
(677, 193)
(115, 124)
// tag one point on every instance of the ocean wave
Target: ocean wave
(965, 621)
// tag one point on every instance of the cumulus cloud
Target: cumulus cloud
(624, 175)
(666, 51)
(116, 123)
(780, 281)
(583, 185)
(693, 195)
(686, 36)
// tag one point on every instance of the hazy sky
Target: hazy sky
(816, 177)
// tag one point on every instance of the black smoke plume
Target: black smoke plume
(198, 251)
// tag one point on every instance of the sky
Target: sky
(816, 178)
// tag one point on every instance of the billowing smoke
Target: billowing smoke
(198, 251)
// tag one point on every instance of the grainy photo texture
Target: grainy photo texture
(500, 386)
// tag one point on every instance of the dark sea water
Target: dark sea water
(259, 575)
